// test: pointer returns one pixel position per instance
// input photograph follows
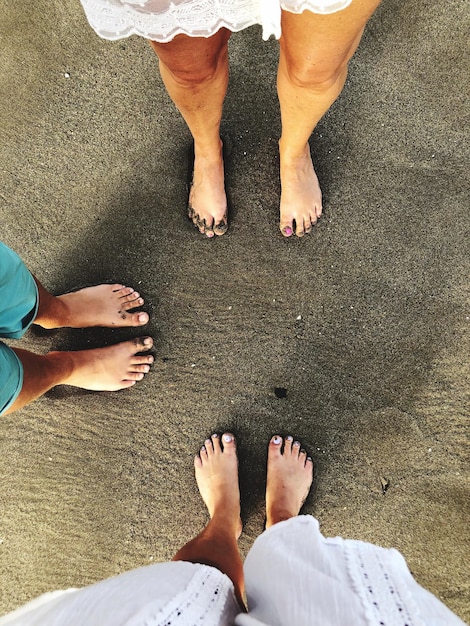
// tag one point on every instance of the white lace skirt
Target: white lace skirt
(293, 575)
(161, 20)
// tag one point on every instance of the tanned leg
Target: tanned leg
(216, 468)
(195, 73)
(102, 369)
(314, 55)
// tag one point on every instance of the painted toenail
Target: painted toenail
(228, 438)
(288, 231)
(276, 440)
(203, 448)
(147, 341)
(309, 458)
(215, 435)
(289, 438)
(297, 444)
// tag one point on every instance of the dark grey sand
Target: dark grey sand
(363, 321)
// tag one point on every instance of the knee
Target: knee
(191, 69)
(317, 76)
(193, 74)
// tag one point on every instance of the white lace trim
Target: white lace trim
(203, 602)
(385, 597)
(162, 20)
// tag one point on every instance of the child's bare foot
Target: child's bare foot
(301, 201)
(216, 468)
(108, 369)
(102, 305)
(207, 205)
(290, 475)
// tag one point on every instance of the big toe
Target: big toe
(228, 442)
(142, 344)
(221, 227)
(275, 445)
(139, 319)
(286, 228)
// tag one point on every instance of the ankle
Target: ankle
(57, 314)
(291, 155)
(209, 149)
(276, 516)
(61, 366)
(224, 523)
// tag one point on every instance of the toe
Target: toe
(126, 293)
(308, 224)
(299, 229)
(134, 376)
(216, 442)
(286, 229)
(275, 445)
(296, 448)
(129, 297)
(139, 319)
(142, 318)
(288, 444)
(142, 360)
(125, 384)
(141, 368)
(142, 344)
(221, 227)
(209, 447)
(207, 227)
(228, 441)
(129, 302)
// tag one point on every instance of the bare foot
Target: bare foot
(290, 475)
(301, 201)
(109, 369)
(102, 305)
(216, 468)
(207, 205)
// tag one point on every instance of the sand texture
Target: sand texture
(364, 322)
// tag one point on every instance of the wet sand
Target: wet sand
(363, 322)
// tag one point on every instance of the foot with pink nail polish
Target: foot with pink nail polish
(301, 199)
(289, 478)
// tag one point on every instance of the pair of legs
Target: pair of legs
(289, 477)
(102, 369)
(314, 55)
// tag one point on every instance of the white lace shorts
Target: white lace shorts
(293, 575)
(161, 20)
